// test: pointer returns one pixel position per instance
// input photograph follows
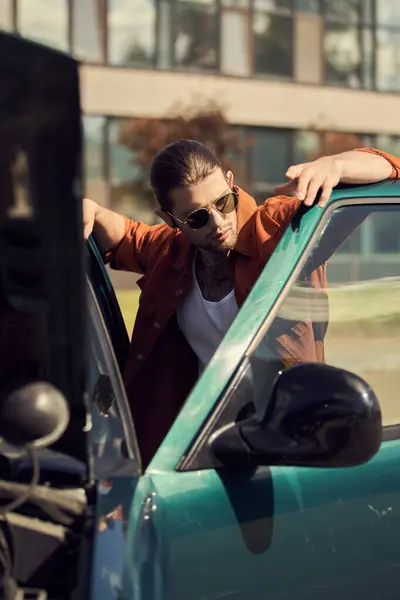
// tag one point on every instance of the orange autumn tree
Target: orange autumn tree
(206, 122)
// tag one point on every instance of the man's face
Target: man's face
(220, 232)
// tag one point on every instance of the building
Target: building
(283, 69)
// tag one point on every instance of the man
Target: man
(199, 266)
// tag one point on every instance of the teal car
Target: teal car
(278, 479)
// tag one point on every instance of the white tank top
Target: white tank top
(205, 323)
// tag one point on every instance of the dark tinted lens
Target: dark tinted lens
(198, 219)
(226, 204)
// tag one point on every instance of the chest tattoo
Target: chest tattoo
(217, 281)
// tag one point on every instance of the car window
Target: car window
(345, 311)
(340, 305)
(112, 434)
(108, 303)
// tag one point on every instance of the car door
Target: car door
(285, 532)
(112, 438)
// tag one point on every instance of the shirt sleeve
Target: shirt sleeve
(393, 160)
(134, 251)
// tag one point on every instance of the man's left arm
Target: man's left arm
(359, 166)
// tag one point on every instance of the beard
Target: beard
(221, 247)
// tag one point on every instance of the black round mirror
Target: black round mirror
(319, 416)
(35, 416)
(316, 416)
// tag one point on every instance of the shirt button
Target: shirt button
(156, 325)
(139, 356)
(178, 293)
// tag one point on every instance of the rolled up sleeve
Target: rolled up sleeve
(132, 253)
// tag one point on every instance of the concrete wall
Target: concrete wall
(257, 102)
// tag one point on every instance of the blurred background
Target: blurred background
(266, 83)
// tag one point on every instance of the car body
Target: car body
(308, 513)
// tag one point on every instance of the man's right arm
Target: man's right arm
(125, 245)
(107, 226)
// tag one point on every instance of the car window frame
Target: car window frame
(130, 465)
(108, 302)
(196, 455)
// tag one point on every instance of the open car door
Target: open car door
(280, 478)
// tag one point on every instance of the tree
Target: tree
(144, 137)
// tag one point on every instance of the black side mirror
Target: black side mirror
(318, 416)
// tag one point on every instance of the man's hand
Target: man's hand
(307, 178)
(89, 210)
(325, 173)
(107, 225)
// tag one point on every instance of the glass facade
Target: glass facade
(358, 40)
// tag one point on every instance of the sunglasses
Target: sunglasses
(200, 217)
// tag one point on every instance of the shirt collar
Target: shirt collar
(245, 210)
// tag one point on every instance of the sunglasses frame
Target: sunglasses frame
(208, 207)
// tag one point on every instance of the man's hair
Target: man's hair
(180, 164)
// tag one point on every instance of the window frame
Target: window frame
(361, 25)
(245, 12)
(108, 304)
(174, 7)
(196, 455)
(290, 16)
(152, 64)
(131, 465)
(103, 33)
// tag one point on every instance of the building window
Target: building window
(307, 6)
(306, 146)
(273, 37)
(196, 34)
(348, 43)
(94, 146)
(270, 151)
(5, 15)
(235, 38)
(388, 45)
(124, 173)
(131, 32)
(264, 163)
(387, 143)
(271, 156)
(95, 164)
(88, 34)
(45, 22)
